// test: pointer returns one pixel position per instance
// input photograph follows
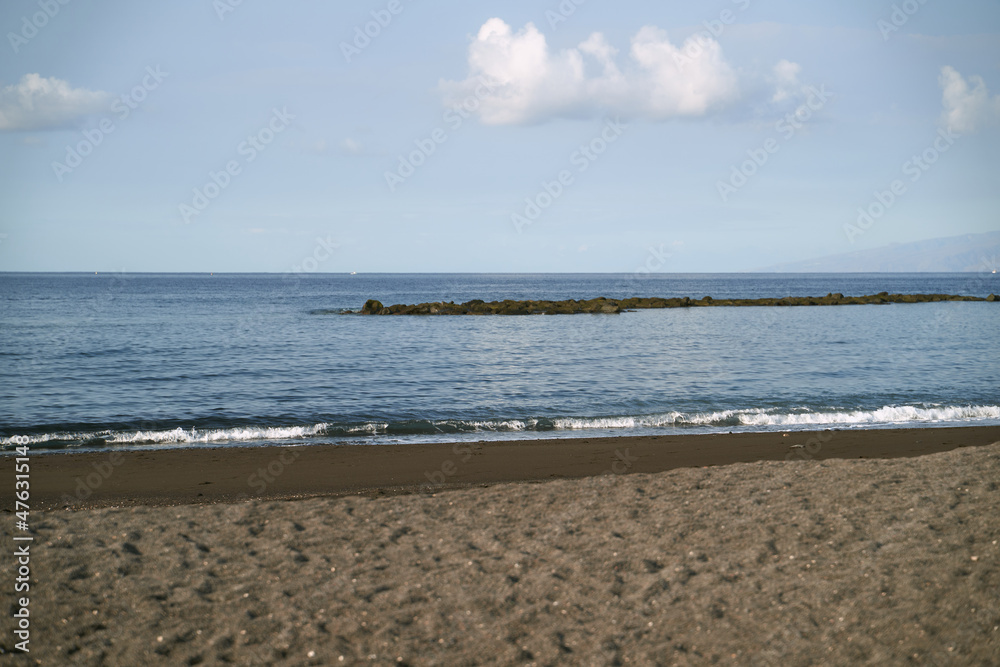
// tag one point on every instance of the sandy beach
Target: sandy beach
(822, 561)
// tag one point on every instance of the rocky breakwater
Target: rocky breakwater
(505, 307)
(604, 306)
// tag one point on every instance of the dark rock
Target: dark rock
(372, 307)
(603, 305)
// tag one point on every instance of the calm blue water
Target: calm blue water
(137, 361)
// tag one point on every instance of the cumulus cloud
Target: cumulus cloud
(966, 108)
(39, 103)
(515, 78)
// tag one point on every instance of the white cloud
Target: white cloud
(529, 83)
(39, 103)
(352, 146)
(786, 80)
(965, 109)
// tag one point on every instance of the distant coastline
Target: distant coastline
(967, 253)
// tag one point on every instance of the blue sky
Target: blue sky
(488, 136)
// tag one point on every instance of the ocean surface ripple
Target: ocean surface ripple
(91, 362)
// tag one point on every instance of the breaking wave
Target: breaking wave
(745, 419)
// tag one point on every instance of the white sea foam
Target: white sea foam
(763, 418)
(885, 415)
(179, 435)
(752, 418)
(504, 425)
(370, 428)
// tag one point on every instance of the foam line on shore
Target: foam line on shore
(753, 418)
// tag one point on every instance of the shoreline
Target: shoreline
(231, 474)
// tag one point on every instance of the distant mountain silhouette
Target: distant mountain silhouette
(966, 253)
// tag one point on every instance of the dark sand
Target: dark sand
(825, 561)
(230, 474)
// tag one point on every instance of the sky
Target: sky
(411, 136)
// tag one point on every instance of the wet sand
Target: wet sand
(822, 561)
(170, 477)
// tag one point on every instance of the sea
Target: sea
(94, 362)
